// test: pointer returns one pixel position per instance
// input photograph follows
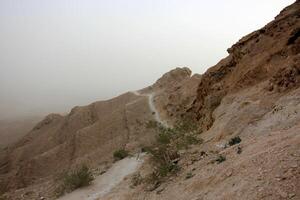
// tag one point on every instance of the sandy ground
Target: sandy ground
(105, 183)
(102, 185)
(152, 107)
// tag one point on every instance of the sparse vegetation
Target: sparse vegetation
(120, 154)
(239, 150)
(189, 175)
(234, 141)
(164, 159)
(186, 126)
(151, 124)
(191, 139)
(220, 159)
(76, 179)
(136, 180)
(169, 141)
(3, 198)
(164, 138)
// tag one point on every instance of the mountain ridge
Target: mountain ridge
(252, 94)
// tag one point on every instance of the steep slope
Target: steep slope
(88, 134)
(254, 94)
(268, 59)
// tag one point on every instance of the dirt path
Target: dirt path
(105, 183)
(152, 107)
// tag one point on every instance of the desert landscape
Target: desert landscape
(229, 133)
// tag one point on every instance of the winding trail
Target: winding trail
(152, 107)
(105, 183)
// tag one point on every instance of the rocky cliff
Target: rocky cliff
(252, 94)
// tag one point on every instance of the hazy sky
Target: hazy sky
(55, 54)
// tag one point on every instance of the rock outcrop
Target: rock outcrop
(268, 58)
(253, 93)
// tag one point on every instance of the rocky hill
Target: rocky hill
(14, 129)
(253, 95)
(88, 134)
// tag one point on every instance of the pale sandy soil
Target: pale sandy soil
(104, 183)
(152, 107)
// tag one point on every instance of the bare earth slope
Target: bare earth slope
(253, 93)
(88, 134)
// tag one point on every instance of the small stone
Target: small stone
(278, 176)
(229, 173)
(292, 195)
(294, 166)
(283, 194)
(160, 190)
(102, 172)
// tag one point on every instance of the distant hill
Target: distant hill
(246, 110)
(13, 130)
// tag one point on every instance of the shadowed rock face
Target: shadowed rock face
(269, 57)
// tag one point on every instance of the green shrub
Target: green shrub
(164, 152)
(120, 154)
(163, 138)
(186, 126)
(189, 175)
(234, 141)
(78, 178)
(145, 149)
(154, 180)
(220, 159)
(3, 198)
(152, 124)
(136, 180)
(190, 139)
(181, 144)
(239, 150)
(166, 168)
(163, 158)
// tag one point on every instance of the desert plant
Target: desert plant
(234, 141)
(136, 180)
(239, 150)
(3, 198)
(120, 154)
(164, 152)
(152, 124)
(190, 139)
(220, 159)
(186, 126)
(77, 178)
(189, 175)
(163, 158)
(164, 138)
(154, 180)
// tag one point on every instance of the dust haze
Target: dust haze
(57, 54)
